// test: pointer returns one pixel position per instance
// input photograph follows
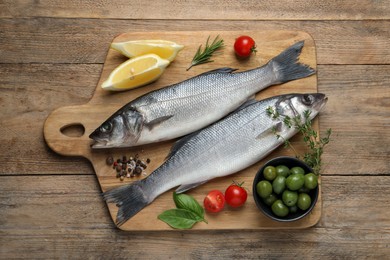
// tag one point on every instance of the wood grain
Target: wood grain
(52, 54)
(104, 103)
(72, 215)
(48, 40)
(356, 91)
(201, 9)
(33, 86)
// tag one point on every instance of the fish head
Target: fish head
(121, 129)
(294, 105)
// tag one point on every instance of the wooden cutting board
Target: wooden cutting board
(66, 130)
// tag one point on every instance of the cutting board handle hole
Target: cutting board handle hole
(73, 130)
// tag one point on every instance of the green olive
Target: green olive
(295, 181)
(269, 173)
(270, 199)
(293, 209)
(264, 188)
(297, 170)
(304, 201)
(282, 170)
(279, 209)
(279, 184)
(311, 181)
(290, 198)
(304, 190)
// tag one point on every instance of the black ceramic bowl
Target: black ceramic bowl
(289, 162)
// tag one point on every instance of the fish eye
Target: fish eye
(106, 127)
(307, 99)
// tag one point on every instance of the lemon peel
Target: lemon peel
(165, 49)
(135, 72)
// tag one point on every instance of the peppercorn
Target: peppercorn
(109, 160)
(142, 164)
(131, 164)
(128, 166)
(114, 165)
(138, 170)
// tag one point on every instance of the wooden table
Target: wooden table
(52, 54)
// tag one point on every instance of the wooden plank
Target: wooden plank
(48, 40)
(354, 223)
(103, 104)
(203, 9)
(4, 10)
(354, 107)
(39, 88)
(46, 216)
(358, 113)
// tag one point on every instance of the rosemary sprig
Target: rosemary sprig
(203, 56)
(314, 143)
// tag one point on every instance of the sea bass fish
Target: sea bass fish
(190, 105)
(232, 144)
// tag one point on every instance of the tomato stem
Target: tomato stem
(238, 184)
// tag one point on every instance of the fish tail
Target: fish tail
(130, 199)
(286, 67)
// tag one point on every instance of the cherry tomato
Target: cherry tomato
(244, 46)
(235, 195)
(214, 201)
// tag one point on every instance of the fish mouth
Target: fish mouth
(99, 144)
(97, 140)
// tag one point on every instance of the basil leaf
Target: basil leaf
(179, 218)
(184, 201)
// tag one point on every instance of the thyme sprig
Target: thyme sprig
(203, 56)
(311, 138)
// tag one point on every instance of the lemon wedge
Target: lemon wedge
(165, 49)
(136, 72)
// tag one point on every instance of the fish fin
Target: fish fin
(219, 70)
(186, 187)
(286, 67)
(157, 121)
(274, 129)
(179, 143)
(247, 103)
(129, 198)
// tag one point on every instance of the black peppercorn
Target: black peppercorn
(109, 160)
(138, 170)
(128, 166)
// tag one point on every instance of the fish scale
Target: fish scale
(223, 148)
(192, 104)
(215, 155)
